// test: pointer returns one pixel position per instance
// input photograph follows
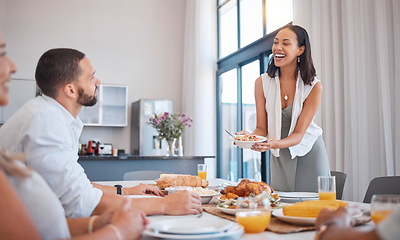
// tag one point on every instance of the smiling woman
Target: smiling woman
(7, 67)
(287, 98)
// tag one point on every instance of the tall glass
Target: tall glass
(202, 171)
(252, 214)
(382, 206)
(327, 188)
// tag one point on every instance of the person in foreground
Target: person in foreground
(30, 209)
(287, 98)
(338, 224)
(47, 130)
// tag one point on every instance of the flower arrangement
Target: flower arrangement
(170, 126)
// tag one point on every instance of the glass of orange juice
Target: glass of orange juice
(327, 188)
(382, 206)
(202, 171)
(252, 214)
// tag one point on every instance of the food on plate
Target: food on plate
(245, 188)
(168, 180)
(264, 196)
(311, 208)
(204, 191)
(229, 196)
(249, 137)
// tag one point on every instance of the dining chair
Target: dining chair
(143, 175)
(340, 183)
(382, 185)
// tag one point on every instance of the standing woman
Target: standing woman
(287, 98)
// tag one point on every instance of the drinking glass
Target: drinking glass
(253, 214)
(382, 206)
(327, 187)
(202, 171)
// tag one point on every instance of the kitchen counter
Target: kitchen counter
(109, 168)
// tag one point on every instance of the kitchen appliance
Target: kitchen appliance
(143, 136)
(105, 149)
(92, 148)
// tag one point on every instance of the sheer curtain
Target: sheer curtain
(199, 84)
(357, 56)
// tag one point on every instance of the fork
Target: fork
(229, 133)
(199, 215)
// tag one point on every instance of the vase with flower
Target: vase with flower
(170, 127)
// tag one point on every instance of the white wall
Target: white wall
(138, 43)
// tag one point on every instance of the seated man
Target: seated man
(337, 225)
(47, 130)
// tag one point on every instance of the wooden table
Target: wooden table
(266, 235)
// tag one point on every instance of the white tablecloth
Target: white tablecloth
(266, 235)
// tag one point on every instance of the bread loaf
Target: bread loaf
(168, 180)
(311, 208)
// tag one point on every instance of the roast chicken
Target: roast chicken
(245, 188)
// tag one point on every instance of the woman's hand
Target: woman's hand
(243, 132)
(270, 143)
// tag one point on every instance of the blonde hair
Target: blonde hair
(8, 163)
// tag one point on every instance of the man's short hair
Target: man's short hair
(57, 67)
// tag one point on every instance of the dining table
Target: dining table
(265, 235)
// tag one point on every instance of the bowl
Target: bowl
(247, 144)
(207, 198)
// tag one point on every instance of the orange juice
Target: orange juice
(380, 215)
(327, 195)
(254, 221)
(202, 175)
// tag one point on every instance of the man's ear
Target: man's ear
(70, 91)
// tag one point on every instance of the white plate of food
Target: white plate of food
(247, 141)
(231, 211)
(302, 220)
(295, 220)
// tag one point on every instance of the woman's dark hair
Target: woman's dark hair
(306, 66)
(56, 68)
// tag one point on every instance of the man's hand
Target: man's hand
(339, 217)
(129, 222)
(182, 203)
(142, 189)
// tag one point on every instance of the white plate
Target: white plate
(195, 226)
(247, 144)
(302, 220)
(296, 220)
(234, 232)
(227, 210)
(297, 194)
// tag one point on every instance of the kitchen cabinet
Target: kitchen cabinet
(21, 90)
(110, 110)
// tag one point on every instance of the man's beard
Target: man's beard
(85, 99)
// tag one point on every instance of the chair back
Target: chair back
(340, 183)
(382, 185)
(143, 175)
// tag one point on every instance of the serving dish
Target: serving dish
(247, 144)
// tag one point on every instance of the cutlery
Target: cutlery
(229, 133)
(199, 215)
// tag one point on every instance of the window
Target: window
(246, 29)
